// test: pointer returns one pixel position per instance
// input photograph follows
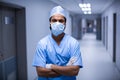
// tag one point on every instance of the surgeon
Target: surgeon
(58, 54)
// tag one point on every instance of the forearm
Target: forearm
(66, 70)
(44, 72)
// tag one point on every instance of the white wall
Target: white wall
(75, 26)
(109, 13)
(37, 26)
(109, 29)
(68, 24)
(84, 24)
(114, 8)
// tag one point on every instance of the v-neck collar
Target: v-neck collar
(55, 43)
(58, 48)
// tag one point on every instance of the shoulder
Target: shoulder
(72, 40)
(44, 41)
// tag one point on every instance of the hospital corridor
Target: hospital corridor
(97, 61)
(46, 34)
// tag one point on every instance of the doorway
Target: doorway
(90, 26)
(103, 30)
(12, 42)
(8, 43)
(114, 37)
(106, 34)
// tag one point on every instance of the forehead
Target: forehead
(57, 16)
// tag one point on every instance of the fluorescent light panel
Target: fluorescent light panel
(86, 8)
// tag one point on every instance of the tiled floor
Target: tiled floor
(97, 62)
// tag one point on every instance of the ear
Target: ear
(50, 27)
(65, 26)
(50, 23)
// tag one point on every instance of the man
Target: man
(57, 55)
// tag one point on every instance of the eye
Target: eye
(61, 21)
(54, 20)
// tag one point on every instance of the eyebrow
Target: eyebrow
(60, 20)
(53, 18)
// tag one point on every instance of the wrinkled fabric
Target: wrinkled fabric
(49, 52)
(58, 10)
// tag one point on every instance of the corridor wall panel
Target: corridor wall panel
(113, 8)
(76, 27)
(118, 41)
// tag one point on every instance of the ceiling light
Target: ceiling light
(86, 8)
(85, 12)
(81, 5)
(88, 5)
(89, 12)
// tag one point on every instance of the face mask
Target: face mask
(57, 28)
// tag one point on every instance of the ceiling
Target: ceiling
(98, 6)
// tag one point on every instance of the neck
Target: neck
(58, 38)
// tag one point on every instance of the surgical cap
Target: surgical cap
(58, 10)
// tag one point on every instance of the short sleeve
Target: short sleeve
(77, 54)
(40, 56)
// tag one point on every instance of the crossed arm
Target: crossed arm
(56, 71)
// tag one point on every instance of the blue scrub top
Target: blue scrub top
(49, 52)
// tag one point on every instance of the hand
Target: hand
(48, 66)
(71, 61)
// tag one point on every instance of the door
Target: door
(106, 28)
(114, 37)
(8, 70)
(1, 55)
(103, 30)
(98, 27)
